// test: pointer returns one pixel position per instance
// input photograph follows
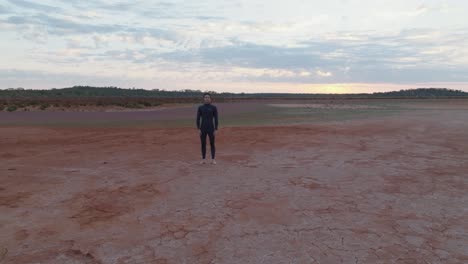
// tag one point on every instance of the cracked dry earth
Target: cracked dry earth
(391, 190)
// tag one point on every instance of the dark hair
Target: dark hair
(207, 94)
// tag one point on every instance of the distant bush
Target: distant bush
(12, 108)
(20, 104)
(133, 105)
(44, 106)
(145, 103)
(112, 91)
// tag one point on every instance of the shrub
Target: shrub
(133, 105)
(44, 106)
(21, 105)
(11, 108)
(145, 103)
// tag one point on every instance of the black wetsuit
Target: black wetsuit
(207, 112)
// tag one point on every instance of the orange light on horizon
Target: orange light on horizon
(336, 88)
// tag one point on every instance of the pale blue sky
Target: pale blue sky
(248, 46)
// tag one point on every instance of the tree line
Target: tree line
(78, 96)
(112, 91)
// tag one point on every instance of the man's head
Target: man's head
(207, 98)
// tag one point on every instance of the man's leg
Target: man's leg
(203, 144)
(212, 145)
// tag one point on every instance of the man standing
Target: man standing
(207, 112)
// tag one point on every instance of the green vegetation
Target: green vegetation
(44, 106)
(12, 108)
(114, 92)
(88, 91)
(140, 98)
(423, 92)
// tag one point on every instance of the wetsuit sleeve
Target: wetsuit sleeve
(215, 114)
(198, 117)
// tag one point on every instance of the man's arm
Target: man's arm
(198, 117)
(215, 114)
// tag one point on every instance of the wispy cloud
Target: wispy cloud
(60, 26)
(29, 5)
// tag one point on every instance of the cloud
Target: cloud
(421, 9)
(415, 55)
(61, 26)
(4, 10)
(366, 51)
(251, 55)
(119, 6)
(210, 18)
(204, 40)
(323, 74)
(35, 6)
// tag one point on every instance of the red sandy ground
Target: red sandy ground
(392, 190)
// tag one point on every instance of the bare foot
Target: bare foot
(213, 162)
(202, 161)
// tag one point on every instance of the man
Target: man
(207, 112)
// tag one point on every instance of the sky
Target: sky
(294, 46)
